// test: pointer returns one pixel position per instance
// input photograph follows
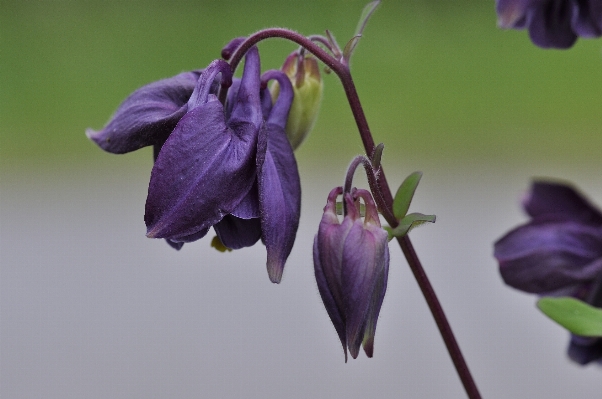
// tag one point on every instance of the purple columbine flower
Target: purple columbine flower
(351, 264)
(230, 167)
(559, 252)
(552, 23)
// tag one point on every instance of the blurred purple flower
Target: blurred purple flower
(559, 252)
(351, 264)
(552, 23)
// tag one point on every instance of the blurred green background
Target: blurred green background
(438, 79)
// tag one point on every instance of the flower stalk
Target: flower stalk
(340, 67)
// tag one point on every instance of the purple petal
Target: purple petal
(334, 312)
(230, 48)
(376, 302)
(331, 239)
(541, 257)
(587, 18)
(550, 24)
(561, 201)
(363, 263)
(584, 350)
(279, 184)
(207, 166)
(512, 13)
(236, 233)
(148, 115)
(265, 98)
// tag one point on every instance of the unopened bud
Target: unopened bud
(304, 73)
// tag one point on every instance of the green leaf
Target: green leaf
(365, 16)
(361, 25)
(377, 156)
(576, 316)
(408, 223)
(350, 47)
(404, 195)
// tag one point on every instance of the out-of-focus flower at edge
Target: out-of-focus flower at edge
(351, 264)
(227, 167)
(558, 252)
(304, 73)
(552, 23)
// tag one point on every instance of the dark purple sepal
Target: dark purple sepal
(328, 262)
(148, 115)
(550, 24)
(278, 182)
(365, 260)
(547, 255)
(584, 350)
(207, 165)
(561, 201)
(230, 48)
(236, 233)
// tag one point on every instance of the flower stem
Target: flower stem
(341, 68)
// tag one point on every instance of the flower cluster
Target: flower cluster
(559, 252)
(351, 264)
(228, 167)
(552, 23)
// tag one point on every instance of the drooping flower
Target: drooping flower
(228, 167)
(559, 252)
(351, 264)
(552, 23)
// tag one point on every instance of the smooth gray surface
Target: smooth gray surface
(91, 308)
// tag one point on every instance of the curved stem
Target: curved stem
(344, 74)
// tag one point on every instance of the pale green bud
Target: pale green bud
(304, 73)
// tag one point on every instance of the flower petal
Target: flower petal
(561, 201)
(541, 257)
(331, 239)
(148, 115)
(363, 256)
(587, 18)
(334, 312)
(207, 166)
(584, 350)
(550, 24)
(279, 183)
(236, 233)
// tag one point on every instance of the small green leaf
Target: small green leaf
(365, 16)
(404, 195)
(377, 156)
(576, 316)
(350, 47)
(408, 223)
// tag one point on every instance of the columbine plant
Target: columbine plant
(558, 254)
(224, 159)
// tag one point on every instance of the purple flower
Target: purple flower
(552, 23)
(230, 167)
(559, 252)
(351, 264)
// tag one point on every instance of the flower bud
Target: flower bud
(304, 73)
(351, 264)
